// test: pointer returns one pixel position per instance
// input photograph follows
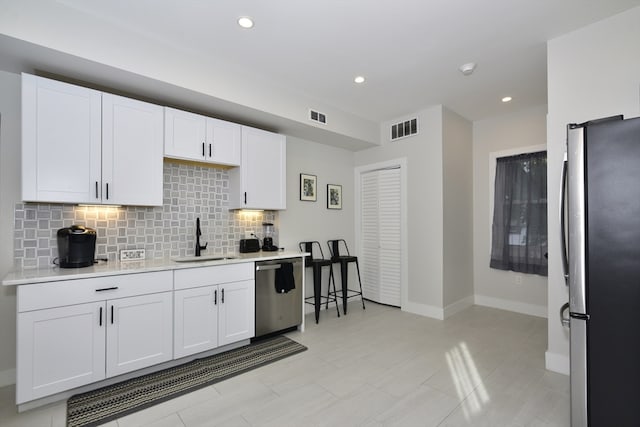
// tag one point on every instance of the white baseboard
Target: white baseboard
(7, 377)
(509, 305)
(423, 310)
(458, 306)
(557, 363)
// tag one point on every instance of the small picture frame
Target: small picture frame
(308, 187)
(334, 196)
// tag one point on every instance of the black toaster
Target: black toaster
(249, 245)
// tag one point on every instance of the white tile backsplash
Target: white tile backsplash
(164, 231)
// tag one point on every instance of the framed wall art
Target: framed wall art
(334, 196)
(308, 187)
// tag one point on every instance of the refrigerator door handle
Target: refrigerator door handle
(576, 218)
(563, 235)
(565, 320)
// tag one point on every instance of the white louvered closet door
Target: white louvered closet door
(380, 235)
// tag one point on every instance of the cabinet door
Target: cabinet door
(236, 312)
(60, 141)
(260, 182)
(132, 147)
(139, 332)
(223, 142)
(196, 320)
(59, 349)
(184, 135)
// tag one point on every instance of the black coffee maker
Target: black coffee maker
(267, 240)
(76, 246)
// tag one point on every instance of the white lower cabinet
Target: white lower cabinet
(139, 332)
(75, 332)
(236, 314)
(196, 320)
(59, 349)
(72, 333)
(210, 315)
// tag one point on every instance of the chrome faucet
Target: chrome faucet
(198, 234)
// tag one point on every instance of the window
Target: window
(519, 229)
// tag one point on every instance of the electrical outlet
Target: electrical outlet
(518, 279)
(131, 254)
(249, 234)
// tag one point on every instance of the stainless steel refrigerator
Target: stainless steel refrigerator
(602, 181)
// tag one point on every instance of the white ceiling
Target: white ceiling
(409, 50)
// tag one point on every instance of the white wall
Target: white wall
(593, 72)
(457, 212)
(304, 221)
(497, 288)
(424, 175)
(9, 195)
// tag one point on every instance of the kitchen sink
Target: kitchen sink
(202, 258)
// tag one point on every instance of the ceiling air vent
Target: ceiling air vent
(404, 129)
(318, 117)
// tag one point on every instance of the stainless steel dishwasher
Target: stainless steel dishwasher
(277, 311)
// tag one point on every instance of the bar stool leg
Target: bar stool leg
(360, 281)
(335, 295)
(344, 272)
(317, 292)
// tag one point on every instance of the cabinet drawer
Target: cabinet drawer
(68, 292)
(213, 275)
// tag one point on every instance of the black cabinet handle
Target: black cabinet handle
(96, 189)
(209, 150)
(203, 149)
(112, 314)
(113, 288)
(245, 197)
(107, 191)
(222, 295)
(215, 297)
(100, 316)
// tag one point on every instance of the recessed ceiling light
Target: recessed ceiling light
(506, 99)
(468, 68)
(359, 79)
(245, 22)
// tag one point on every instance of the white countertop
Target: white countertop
(54, 273)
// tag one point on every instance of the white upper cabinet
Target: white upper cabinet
(260, 182)
(191, 136)
(132, 137)
(84, 146)
(61, 141)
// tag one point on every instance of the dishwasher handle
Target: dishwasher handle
(267, 267)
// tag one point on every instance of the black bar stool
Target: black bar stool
(338, 248)
(317, 264)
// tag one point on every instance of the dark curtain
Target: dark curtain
(519, 231)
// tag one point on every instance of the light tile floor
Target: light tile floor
(375, 367)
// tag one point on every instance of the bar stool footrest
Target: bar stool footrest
(350, 293)
(323, 300)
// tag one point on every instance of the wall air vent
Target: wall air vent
(404, 129)
(317, 117)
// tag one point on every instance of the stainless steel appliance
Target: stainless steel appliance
(602, 175)
(76, 246)
(277, 310)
